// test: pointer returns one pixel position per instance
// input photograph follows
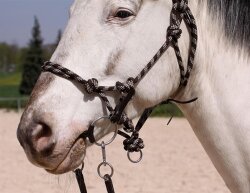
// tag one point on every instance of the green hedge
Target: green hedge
(11, 91)
(10, 79)
(167, 111)
(13, 104)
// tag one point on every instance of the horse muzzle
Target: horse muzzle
(45, 148)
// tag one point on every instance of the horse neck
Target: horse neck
(221, 71)
(220, 117)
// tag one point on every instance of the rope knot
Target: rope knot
(128, 125)
(92, 86)
(125, 87)
(133, 144)
(173, 33)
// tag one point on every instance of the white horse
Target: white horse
(112, 40)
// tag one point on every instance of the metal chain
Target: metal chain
(104, 162)
(103, 145)
(106, 177)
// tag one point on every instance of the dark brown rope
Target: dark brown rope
(109, 184)
(80, 181)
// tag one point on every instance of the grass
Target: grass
(9, 84)
(9, 88)
(12, 79)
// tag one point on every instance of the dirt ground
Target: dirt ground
(173, 162)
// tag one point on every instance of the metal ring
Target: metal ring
(115, 132)
(105, 164)
(135, 161)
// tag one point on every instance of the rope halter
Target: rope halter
(180, 12)
(133, 143)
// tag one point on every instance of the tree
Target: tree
(59, 36)
(4, 57)
(8, 57)
(33, 60)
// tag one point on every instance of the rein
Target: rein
(132, 143)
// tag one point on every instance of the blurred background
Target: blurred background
(29, 33)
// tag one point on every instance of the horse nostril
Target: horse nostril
(41, 130)
(43, 139)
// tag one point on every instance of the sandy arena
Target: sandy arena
(173, 162)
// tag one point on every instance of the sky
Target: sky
(17, 18)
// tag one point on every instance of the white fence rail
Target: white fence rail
(18, 101)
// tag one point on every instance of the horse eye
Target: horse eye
(123, 14)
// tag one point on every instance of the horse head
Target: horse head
(109, 40)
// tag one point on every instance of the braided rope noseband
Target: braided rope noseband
(180, 11)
